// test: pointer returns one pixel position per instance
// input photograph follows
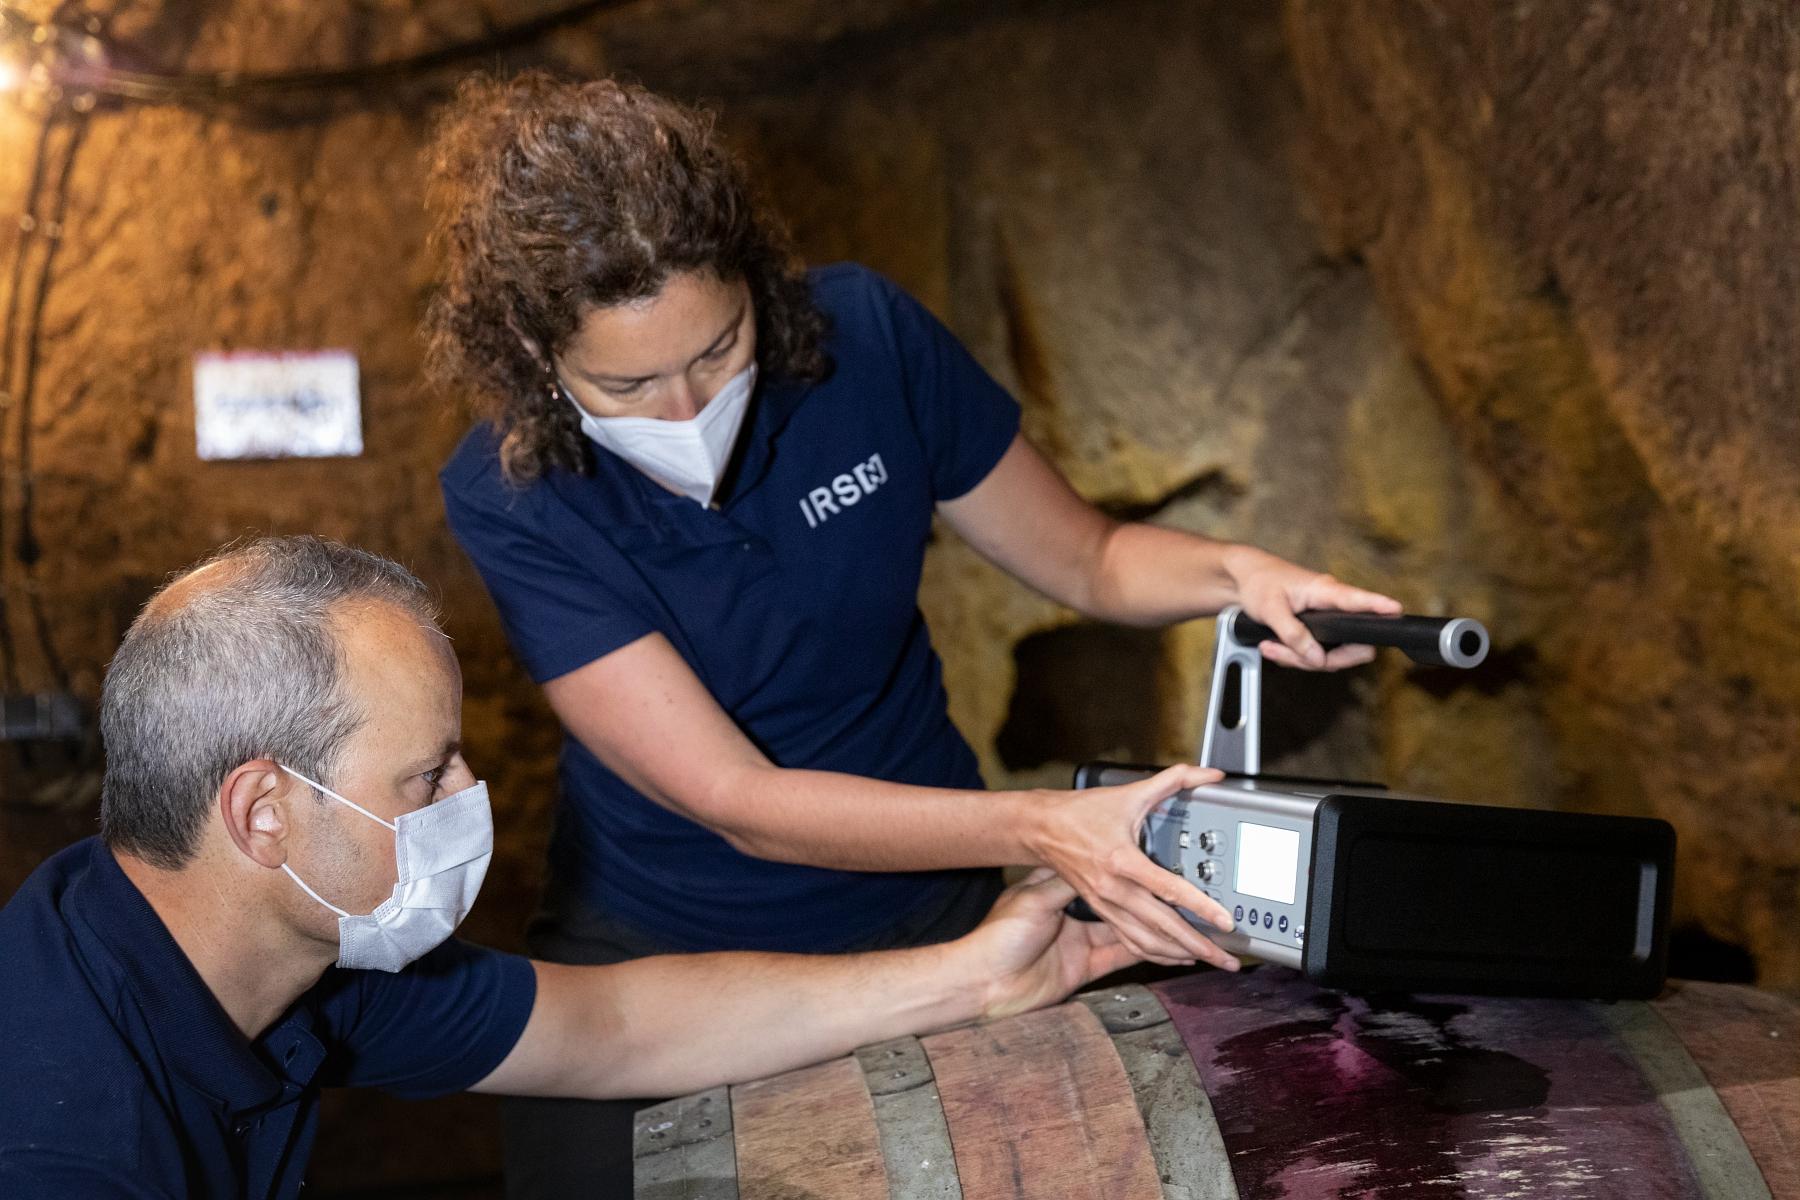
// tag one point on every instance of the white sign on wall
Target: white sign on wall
(298, 405)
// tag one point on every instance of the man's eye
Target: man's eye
(435, 775)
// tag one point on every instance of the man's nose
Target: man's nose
(459, 775)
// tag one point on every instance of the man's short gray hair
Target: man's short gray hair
(240, 665)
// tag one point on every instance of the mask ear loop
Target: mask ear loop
(322, 900)
(341, 800)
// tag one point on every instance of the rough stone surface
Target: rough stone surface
(1515, 340)
(1581, 218)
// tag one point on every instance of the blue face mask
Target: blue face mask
(441, 852)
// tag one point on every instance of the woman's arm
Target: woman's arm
(645, 714)
(1026, 519)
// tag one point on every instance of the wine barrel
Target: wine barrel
(1259, 1085)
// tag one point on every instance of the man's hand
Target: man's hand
(1273, 591)
(1090, 838)
(1029, 953)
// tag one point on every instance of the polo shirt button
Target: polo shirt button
(241, 1128)
(743, 545)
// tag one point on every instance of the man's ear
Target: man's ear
(253, 802)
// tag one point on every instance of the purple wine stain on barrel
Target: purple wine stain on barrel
(1322, 1094)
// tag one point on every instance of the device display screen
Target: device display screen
(1268, 862)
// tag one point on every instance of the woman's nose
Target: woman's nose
(686, 399)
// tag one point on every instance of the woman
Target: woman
(701, 502)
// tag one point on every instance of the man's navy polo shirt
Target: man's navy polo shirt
(122, 1076)
(795, 602)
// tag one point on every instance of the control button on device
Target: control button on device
(1237, 914)
(1209, 841)
(1268, 919)
(1207, 870)
(1253, 915)
(1282, 925)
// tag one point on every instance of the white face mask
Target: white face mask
(442, 854)
(689, 456)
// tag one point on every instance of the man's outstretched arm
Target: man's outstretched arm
(674, 1024)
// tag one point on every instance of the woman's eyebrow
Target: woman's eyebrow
(730, 328)
(625, 381)
(620, 381)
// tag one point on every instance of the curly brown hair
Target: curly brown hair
(550, 199)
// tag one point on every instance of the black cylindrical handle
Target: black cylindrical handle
(1435, 641)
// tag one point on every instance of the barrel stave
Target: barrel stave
(1261, 1085)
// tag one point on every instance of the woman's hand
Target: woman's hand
(1090, 838)
(1273, 591)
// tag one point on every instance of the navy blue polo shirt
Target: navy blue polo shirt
(121, 1075)
(795, 602)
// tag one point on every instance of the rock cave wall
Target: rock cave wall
(1470, 305)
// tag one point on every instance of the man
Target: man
(287, 825)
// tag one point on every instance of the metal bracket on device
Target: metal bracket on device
(1233, 738)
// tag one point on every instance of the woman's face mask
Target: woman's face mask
(689, 456)
(441, 853)
(664, 382)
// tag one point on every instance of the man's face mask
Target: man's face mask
(441, 852)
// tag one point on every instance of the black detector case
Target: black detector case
(1373, 891)
(1474, 898)
(1364, 889)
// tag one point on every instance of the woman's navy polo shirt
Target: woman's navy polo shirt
(123, 1076)
(795, 602)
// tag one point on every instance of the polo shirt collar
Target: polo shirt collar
(193, 1033)
(776, 401)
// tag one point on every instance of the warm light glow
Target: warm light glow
(11, 74)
